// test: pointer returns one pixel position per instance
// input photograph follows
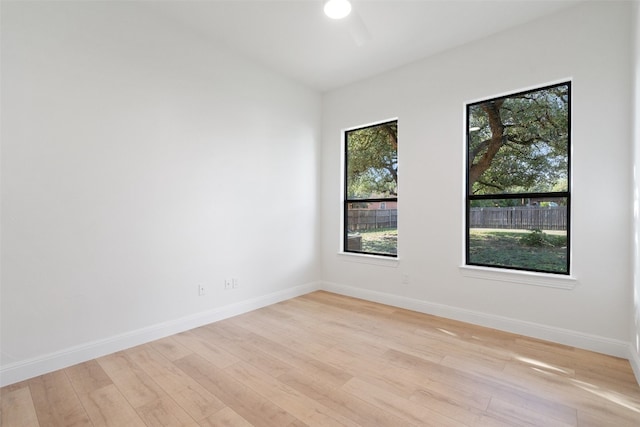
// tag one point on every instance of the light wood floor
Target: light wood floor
(328, 360)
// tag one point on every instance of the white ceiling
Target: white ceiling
(295, 38)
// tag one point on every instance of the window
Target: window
(371, 181)
(518, 195)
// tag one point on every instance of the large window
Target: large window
(518, 195)
(371, 190)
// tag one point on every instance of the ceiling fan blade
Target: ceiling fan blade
(358, 29)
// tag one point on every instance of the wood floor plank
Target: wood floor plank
(474, 365)
(265, 322)
(226, 417)
(107, 407)
(15, 386)
(17, 409)
(489, 420)
(414, 413)
(313, 367)
(165, 412)
(560, 388)
(526, 414)
(346, 404)
(232, 338)
(56, 402)
(239, 397)
(297, 404)
(207, 349)
(350, 304)
(468, 398)
(551, 409)
(374, 369)
(198, 402)
(278, 344)
(133, 382)
(87, 377)
(607, 415)
(102, 400)
(170, 348)
(444, 405)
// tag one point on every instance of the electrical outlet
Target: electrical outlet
(201, 290)
(228, 283)
(234, 283)
(405, 279)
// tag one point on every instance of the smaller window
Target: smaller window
(371, 190)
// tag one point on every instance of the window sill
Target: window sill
(369, 259)
(521, 277)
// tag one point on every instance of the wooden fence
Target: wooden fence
(372, 219)
(520, 218)
(517, 218)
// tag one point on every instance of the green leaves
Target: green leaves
(372, 161)
(519, 143)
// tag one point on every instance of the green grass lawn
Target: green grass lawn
(509, 248)
(521, 249)
(381, 241)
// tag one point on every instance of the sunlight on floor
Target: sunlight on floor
(608, 395)
(613, 397)
(444, 331)
(542, 365)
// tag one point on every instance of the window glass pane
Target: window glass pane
(523, 233)
(519, 143)
(371, 229)
(372, 161)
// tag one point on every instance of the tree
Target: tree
(372, 161)
(519, 143)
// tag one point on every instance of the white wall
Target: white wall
(590, 44)
(138, 161)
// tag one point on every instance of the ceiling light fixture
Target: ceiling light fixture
(337, 9)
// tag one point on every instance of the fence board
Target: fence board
(520, 217)
(372, 219)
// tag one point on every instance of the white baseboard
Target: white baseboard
(558, 335)
(22, 370)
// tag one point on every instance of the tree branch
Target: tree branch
(492, 109)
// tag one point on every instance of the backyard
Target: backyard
(535, 250)
(380, 241)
